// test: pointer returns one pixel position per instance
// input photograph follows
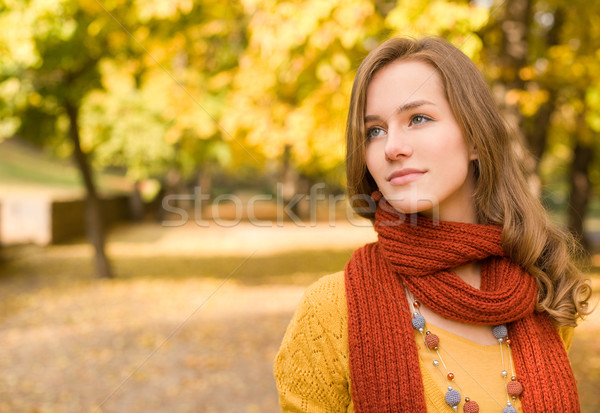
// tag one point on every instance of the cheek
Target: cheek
(373, 160)
(454, 161)
(455, 150)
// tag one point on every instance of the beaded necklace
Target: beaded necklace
(453, 397)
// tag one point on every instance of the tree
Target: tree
(54, 65)
(292, 88)
(541, 62)
(139, 87)
(173, 94)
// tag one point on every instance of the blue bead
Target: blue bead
(500, 331)
(452, 398)
(509, 409)
(418, 322)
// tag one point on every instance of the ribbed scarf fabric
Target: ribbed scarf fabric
(420, 253)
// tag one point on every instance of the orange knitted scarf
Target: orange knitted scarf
(420, 253)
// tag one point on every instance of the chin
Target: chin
(414, 203)
(423, 207)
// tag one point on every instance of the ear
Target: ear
(473, 153)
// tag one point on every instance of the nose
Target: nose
(397, 146)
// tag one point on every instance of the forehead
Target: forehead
(402, 81)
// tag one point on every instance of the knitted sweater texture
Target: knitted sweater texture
(312, 368)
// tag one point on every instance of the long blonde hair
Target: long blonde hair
(502, 195)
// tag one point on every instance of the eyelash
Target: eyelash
(370, 130)
(424, 118)
(420, 115)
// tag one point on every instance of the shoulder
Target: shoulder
(566, 335)
(322, 310)
(324, 304)
(328, 292)
(311, 368)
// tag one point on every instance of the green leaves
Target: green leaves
(160, 84)
(149, 79)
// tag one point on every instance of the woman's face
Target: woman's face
(416, 151)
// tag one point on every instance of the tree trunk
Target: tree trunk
(513, 53)
(290, 180)
(136, 203)
(204, 181)
(580, 191)
(93, 216)
(511, 57)
(537, 134)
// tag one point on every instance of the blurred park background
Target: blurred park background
(172, 178)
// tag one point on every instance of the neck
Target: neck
(465, 214)
(459, 207)
(470, 273)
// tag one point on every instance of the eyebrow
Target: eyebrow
(406, 107)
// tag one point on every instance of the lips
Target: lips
(404, 176)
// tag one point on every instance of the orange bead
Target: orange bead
(416, 304)
(514, 388)
(432, 341)
(507, 341)
(471, 407)
(450, 376)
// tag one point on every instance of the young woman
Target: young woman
(468, 299)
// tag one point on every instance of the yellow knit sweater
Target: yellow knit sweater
(312, 367)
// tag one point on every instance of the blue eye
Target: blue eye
(419, 119)
(374, 132)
